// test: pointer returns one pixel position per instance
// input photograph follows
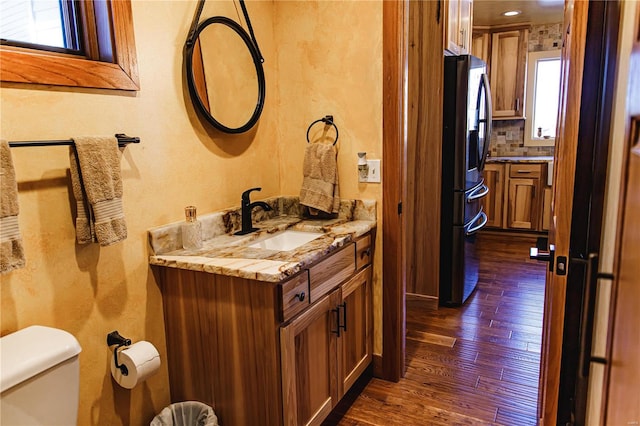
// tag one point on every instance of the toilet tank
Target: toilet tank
(39, 377)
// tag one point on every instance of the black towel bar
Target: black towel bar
(123, 140)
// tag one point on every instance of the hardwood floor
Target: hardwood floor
(474, 365)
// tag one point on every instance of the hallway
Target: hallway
(473, 365)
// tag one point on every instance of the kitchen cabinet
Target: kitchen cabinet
(458, 24)
(481, 46)
(508, 72)
(270, 353)
(518, 198)
(524, 196)
(494, 201)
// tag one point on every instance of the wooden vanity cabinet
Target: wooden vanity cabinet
(325, 350)
(270, 353)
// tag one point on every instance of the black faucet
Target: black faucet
(247, 207)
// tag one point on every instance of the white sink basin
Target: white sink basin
(286, 240)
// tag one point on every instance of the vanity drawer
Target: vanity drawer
(529, 171)
(294, 296)
(363, 251)
(329, 273)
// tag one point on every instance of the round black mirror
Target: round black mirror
(225, 75)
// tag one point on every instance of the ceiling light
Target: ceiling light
(512, 13)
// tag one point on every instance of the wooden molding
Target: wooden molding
(20, 65)
(394, 64)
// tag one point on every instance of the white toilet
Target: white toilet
(39, 377)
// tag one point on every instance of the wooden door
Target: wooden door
(308, 360)
(508, 69)
(575, 22)
(493, 203)
(623, 399)
(355, 341)
(522, 211)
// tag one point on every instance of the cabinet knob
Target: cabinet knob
(365, 253)
(300, 296)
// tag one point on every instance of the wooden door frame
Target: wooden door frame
(394, 64)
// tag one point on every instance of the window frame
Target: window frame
(532, 61)
(112, 67)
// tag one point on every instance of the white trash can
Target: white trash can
(187, 413)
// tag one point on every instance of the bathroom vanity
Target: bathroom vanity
(266, 336)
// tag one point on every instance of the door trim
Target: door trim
(394, 64)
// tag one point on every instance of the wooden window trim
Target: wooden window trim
(20, 65)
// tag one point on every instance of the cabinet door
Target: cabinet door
(308, 360)
(494, 201)
(481, 47)
(458, 26)
(453, 27)
(508, 69)
(464, 30)
(355, 341)
(523, 204)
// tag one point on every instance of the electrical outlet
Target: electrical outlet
(374, 171)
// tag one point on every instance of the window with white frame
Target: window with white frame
(543, 93)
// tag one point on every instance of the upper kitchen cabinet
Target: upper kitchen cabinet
(481, 46)
(508, 72)
(457, 32)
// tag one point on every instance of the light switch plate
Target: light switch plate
(374, 171)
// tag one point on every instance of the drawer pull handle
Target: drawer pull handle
(524, 171)
(365, 253)
(337, 312)
(300, 296)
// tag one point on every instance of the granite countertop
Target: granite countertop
(541, 159)
(227, 254)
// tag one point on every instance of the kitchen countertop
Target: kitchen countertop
(541, 159)
(227, 254)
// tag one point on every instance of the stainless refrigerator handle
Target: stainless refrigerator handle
(474, 229)
(488, 120)
(478, 193)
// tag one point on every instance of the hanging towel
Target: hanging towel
(99, 186)
(11, 251)
(320, 189)
(85, 233)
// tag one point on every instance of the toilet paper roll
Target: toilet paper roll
(141, 359)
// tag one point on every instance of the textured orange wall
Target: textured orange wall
(320, 58)
(91, 290)
(330, 62)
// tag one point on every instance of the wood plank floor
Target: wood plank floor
(475, 365)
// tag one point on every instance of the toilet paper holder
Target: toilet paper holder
(114, 338)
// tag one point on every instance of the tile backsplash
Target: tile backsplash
(507, 139)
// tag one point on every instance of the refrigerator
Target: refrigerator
(465, 143)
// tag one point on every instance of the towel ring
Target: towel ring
(328, 120)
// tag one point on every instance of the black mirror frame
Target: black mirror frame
(257, 61)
